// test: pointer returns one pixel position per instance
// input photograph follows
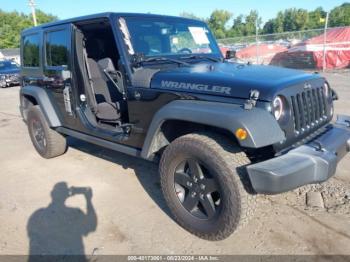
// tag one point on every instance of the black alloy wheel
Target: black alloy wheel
(47, 142)
(197, 189)
(205, 184)
(39, 134)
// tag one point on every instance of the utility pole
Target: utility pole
(257, 39)
(32, 6)
(324, 65)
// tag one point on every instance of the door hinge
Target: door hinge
(253, 98)
(67, 100)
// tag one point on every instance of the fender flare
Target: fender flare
(43, 100)
(262, 127)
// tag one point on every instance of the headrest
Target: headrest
(106, 64)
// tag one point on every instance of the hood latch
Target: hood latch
(253, 98)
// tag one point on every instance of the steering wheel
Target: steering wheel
(185, 50)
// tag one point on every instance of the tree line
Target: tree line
(224, 24)
(12, 23)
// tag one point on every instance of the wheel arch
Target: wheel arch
(185, 116)
(33, 95)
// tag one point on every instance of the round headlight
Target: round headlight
(326, 90)
(278, 107)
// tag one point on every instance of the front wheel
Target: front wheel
(47, 142)
(205, 185)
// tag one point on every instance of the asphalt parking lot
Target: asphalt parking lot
(127, 213)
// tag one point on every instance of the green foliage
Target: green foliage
(295, 19)
(292, 19)
(340, 16)
(12, 23)
(244, 26)
(316, 18)
(218, 21)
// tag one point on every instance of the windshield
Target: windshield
(7, 65)
(166, 36)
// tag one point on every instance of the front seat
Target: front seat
(106, 109)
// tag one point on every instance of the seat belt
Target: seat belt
(93, 98)
(118, 84)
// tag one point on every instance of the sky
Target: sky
(202, 8)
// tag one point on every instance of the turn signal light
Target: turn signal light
(241, 134)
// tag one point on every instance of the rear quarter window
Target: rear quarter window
(31, 57)
(56, 46)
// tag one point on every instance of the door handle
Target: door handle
(137, 95)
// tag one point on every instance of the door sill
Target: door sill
(101, 142)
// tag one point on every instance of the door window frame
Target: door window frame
(39, 47)
(67, 30)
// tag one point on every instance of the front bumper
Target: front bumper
(307, 164)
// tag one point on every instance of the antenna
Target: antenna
(32, 6)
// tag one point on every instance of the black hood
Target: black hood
(230, 79)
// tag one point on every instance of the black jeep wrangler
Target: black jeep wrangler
(158, 87)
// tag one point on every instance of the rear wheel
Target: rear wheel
(47, 142)
(205, 185)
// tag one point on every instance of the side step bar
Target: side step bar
(101, 142)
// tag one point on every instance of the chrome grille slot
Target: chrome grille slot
(317, 110)
(296, 114)
(309, 109)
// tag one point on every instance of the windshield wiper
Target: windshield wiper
(201, 57)
(160, 58)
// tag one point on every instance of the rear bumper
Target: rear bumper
(310, 163)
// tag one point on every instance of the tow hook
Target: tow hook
(318, 146)
(253, 98)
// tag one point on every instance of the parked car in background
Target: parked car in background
(9, 73)
(2, 81)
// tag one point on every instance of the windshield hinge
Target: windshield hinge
(253, 98)
(137, 59)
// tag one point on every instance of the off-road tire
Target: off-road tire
(56, 143)
(228, 159)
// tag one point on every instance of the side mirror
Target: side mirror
(137, 58)
(230, 54)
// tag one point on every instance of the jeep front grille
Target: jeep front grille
(309, 109)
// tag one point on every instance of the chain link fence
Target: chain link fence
(318, 49)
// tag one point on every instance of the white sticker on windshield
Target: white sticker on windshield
(123, 27)
(199, 35)
(175, 41)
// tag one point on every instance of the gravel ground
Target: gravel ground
(127, 213)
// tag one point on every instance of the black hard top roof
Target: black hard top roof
(97, 16)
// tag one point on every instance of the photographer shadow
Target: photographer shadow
(146, 172)
(58, 229)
